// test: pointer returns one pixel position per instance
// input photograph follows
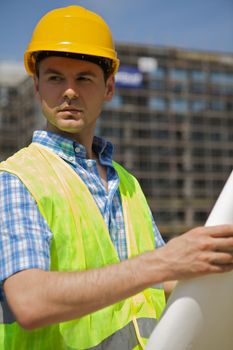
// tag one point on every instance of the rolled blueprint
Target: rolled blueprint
(199, 313)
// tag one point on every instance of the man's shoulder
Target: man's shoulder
(14, 156)
(18, 157)
(8, 178)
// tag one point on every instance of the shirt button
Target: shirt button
(89, 164)
(77, 149)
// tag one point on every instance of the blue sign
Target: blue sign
(129, 77)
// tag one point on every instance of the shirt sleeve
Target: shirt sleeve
(24, 234)
(159, 242)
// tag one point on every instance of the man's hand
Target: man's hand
(200, 251)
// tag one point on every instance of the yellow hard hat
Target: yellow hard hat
(71, 29)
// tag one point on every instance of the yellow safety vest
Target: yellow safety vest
(81, 241)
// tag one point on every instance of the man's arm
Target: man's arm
(38, 298)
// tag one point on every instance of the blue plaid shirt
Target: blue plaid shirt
(24, 234)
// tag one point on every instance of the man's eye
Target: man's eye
(84, 78)
(54, 78)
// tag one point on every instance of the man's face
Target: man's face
(72, 93)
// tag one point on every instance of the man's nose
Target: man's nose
(70, 93)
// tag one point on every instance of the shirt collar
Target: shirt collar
(71, 150)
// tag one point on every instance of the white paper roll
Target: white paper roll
(199, 313)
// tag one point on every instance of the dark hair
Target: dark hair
(106, 64)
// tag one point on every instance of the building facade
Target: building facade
(172, 124)
(171, 121)
(19, 112)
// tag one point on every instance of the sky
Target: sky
(199, 24)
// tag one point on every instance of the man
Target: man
(79, 268)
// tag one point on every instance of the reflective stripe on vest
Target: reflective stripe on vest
(6, 316)
(126, 338)
(68, 207)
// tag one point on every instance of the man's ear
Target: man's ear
(110, 88)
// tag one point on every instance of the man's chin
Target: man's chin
(70, 127)
(70, 131)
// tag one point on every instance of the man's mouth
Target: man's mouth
(70, 109)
